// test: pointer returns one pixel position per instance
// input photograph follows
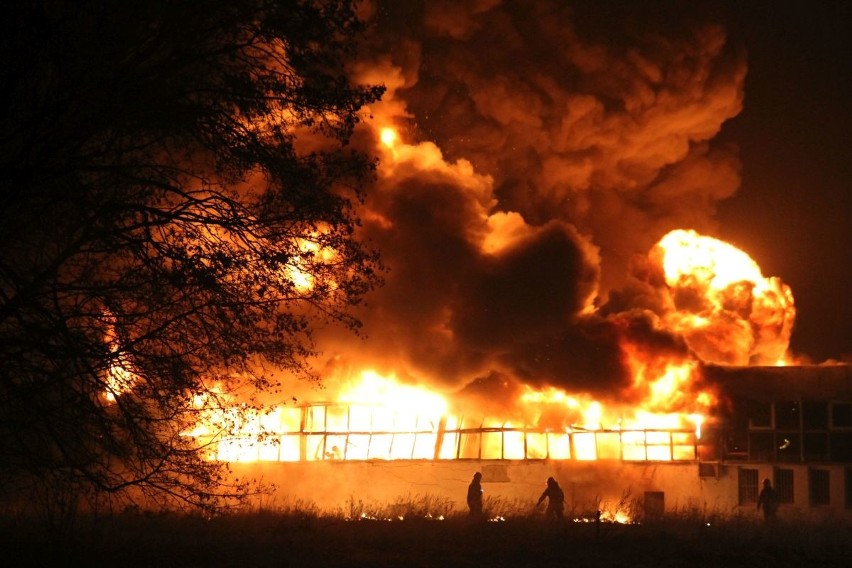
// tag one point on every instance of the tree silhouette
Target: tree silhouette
(177, 197)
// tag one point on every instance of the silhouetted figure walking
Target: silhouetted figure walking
(555, 499)
(768, 500)
(474, 495)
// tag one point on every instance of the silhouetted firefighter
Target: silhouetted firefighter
(768, 499)
(555, 499)
(474, 495)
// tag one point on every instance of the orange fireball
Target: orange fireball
(726, 310)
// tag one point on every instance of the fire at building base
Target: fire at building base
(790, 425)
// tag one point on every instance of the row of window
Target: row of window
(366, 432)
(483, 443)
(789, 431)
(788, 446)
(793, 415)
(819, 486)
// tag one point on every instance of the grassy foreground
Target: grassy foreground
(305, 538)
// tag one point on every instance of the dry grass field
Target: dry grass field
(299, 538)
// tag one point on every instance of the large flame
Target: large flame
(376, 417)
(715, 297)
(727, 311)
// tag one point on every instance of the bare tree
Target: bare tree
(176, 206)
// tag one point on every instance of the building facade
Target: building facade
(791, 425)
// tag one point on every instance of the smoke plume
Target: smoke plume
(542, 149)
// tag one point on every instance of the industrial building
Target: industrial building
(791, 425)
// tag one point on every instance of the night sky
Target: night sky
(793, 212)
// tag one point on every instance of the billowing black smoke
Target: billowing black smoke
(544, 145)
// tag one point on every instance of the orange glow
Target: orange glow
(721, 303)
(615, 517)
(388, 137)
(301, 269)
(120, 379)
(711, 263)
(373, 388)
(376, 417)
(658, 416)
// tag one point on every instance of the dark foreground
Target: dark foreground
(270, 540)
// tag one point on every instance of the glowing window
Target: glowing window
(424, 446)
(584, 446)
(536, 443)
(513, 445)
(290, 448)
(337, 418)
(492, 445)
(449, 446)
(558, 446)
(609, 445)
(380, 446)
(357, 446)
(315, 444)
(469, 445)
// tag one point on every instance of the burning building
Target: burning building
(554, 304)
(686, 423)
(792, 425)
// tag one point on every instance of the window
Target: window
(783, 484)
(469, 443)
(747, 486)
(816, 446)
(761, 446)
(736, 444)
(841, 446)
(759, 414)
(818, 487)
(788, 446)
(787, 415)
(815, 415)
(841, 414)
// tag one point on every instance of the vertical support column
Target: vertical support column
(571, 447)
(439, 437)
(303, 437)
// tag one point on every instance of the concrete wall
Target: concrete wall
(613, 487)
(635, 490)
